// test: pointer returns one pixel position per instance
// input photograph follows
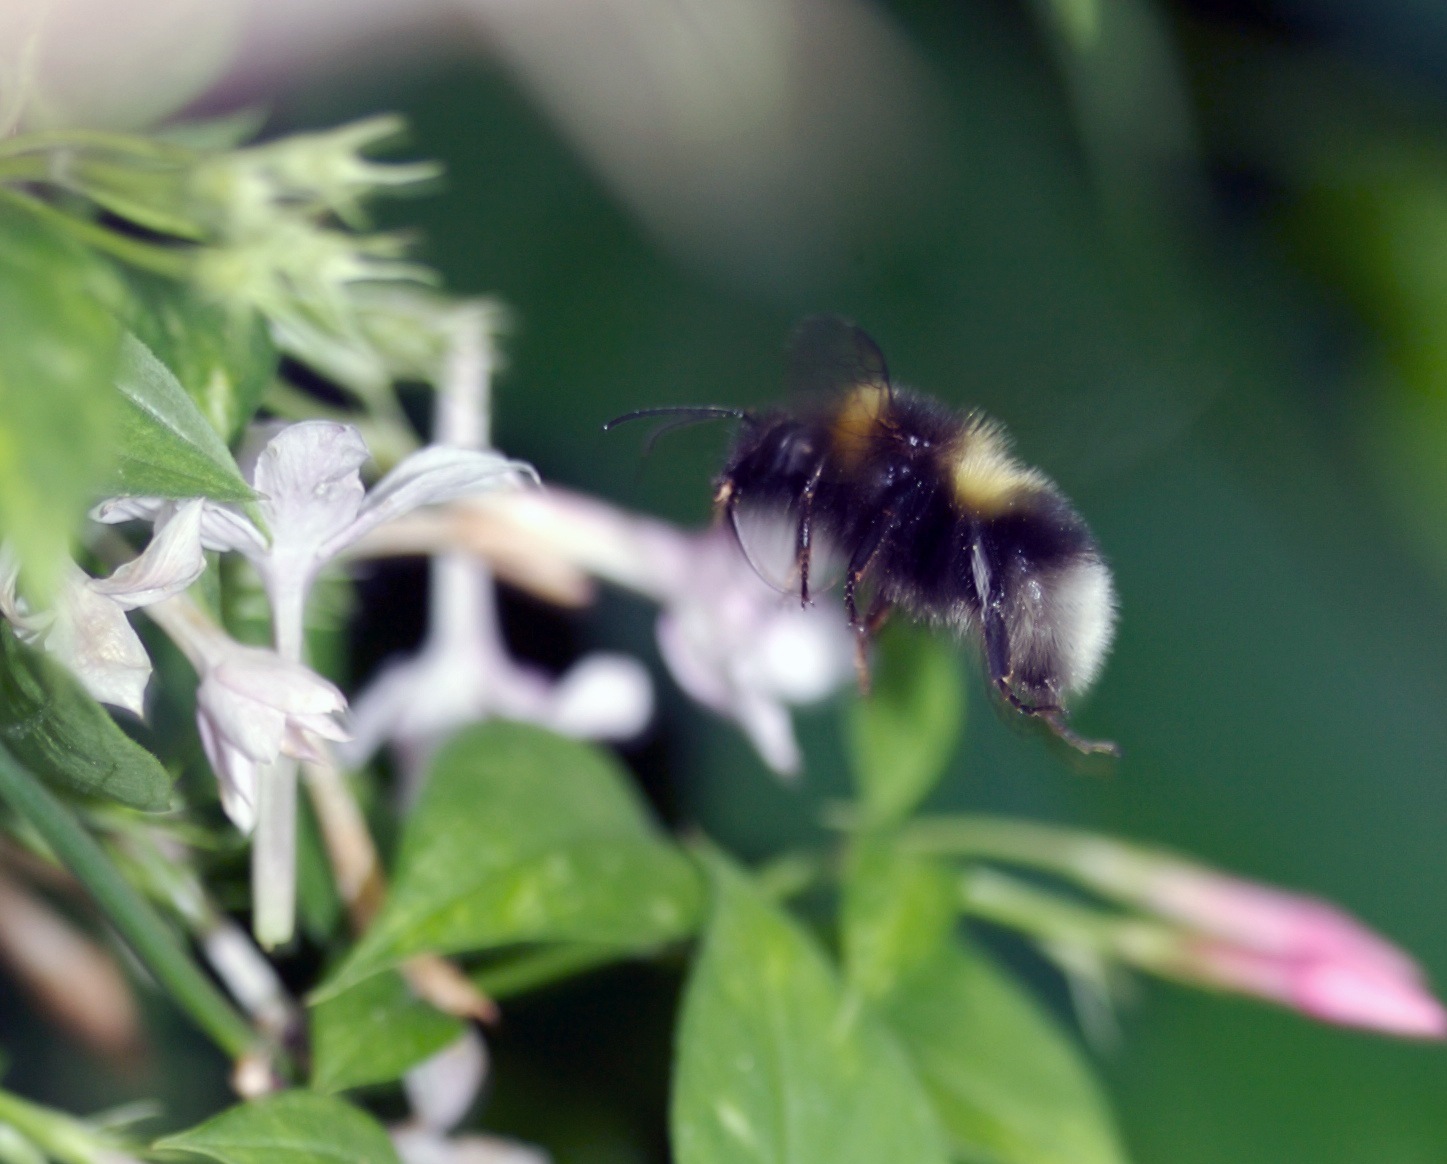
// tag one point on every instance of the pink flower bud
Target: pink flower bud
(1349, 992)
(1270, 921)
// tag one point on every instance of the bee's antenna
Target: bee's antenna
(692, 414)
(686, 414)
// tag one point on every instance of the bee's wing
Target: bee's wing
(829, 354)
(768, 535)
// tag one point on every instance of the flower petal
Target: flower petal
(430, 476)
(1335, 991)
(603, 696)
(92, 636)
(442, 1087)
(264, 676)
(309, 475)
(249, 725)
(235, 774)
(171, 562)
(221, 528)
(1271, 921)
(771, 731)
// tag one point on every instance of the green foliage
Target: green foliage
(57, 409)
(523, 836)
(1008, 1085)
(903, 733)
(777, 1062)
(222, 357)
(53, 726)
(294, 1127)
(373, 1033)
(167, 448)
(898, 911)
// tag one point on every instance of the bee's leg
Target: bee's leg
(864, 555)
(997, 655)
(997, 648)
(879, 608)
(803, 546)
(1054, 718)
(859, 563)
(1001, 668)
(878, 615)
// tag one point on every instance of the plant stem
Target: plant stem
(60, 1136)
(1052, 920)
(168, 261)
(118, 143)
(135, 920)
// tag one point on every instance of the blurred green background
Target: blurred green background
(1220, 334)
(1196, 259)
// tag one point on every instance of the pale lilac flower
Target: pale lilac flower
(731, 641)
(440, 1090)
(86, 626)
(252, 706)
(313, 505)
(464, 674)
(748, 652)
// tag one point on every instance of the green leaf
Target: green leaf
(57, 410)
(776, 1062)
(523, 836)
(167, 448)
(222, 357)
(374, 1032)
(1008, 1085)
(898, 911)
(293, 1127)
(53, 727)
(901, 736)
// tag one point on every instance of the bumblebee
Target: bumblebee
(918, 508)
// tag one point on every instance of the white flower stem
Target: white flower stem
(288, 620)
(189, 627)
(273, 854)
(463, 403)
(273, 849)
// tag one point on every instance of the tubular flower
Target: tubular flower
(1195, 925)
(463, 673)
(87, 628)
(730, 640)
(313, 506)
(252, 706)
(258, 711)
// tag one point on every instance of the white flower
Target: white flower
(313, 505)
(252, 706)
(256, 710)
(743, 649)
(463, 674)
(733, 642)
(440, 1091)
(87, 628)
